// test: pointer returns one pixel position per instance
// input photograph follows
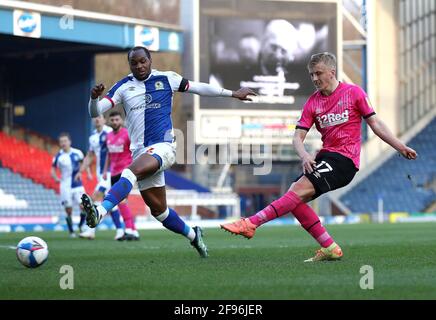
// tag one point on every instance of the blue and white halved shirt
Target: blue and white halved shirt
(69, 165)
(148, 105)
(98, 145)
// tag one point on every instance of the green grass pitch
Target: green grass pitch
(163, 265)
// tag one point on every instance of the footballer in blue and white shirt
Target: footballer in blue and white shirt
(98, 147)
(147, 98)
(68, 160)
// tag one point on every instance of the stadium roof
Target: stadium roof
(84, 29)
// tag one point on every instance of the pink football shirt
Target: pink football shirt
(119, 151)
(338, 117)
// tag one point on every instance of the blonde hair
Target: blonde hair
(327, 58)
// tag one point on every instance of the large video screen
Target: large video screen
(263, 45)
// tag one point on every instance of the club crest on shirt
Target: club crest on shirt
(159, 85)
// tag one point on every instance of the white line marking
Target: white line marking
(8, 247)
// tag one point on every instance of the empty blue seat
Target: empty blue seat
(41, 201)
(391, 182)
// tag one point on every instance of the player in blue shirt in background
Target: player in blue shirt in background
(68, 161)
(98, 149)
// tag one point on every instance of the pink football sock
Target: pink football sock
(277, 208)
(310, 221)
(127, 215)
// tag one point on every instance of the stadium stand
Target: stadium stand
(22, 197)
(26, 183)
(185, 192)
(30, 161)
(26, 187)
(402, 185)
(27, 160)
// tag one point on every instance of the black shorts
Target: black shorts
(114, 179)
(333, 171)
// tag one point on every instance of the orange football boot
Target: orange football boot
(242, 227)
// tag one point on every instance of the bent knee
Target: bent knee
(157, 210)
(303, 189)
(144, 166)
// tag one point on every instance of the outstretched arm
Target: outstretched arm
(205, 89)
(97, 107)
(383, 132)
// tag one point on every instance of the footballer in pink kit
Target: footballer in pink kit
(120, 157)
(337, 110)
(338, 118)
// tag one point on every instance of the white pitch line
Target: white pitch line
(8, 247)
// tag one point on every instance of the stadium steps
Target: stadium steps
(177, 181)
(404, 186)
(28, 156)
(30, 161)
(39, 201)
(192, 199)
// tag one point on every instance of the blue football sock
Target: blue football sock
(116, 218)
(69, 223)
(174, 223)
(82, 219)
(117, 193)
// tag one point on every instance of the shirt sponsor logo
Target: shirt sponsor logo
(148, 106)
(153, 106)
(113, 148)
(332, 119)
